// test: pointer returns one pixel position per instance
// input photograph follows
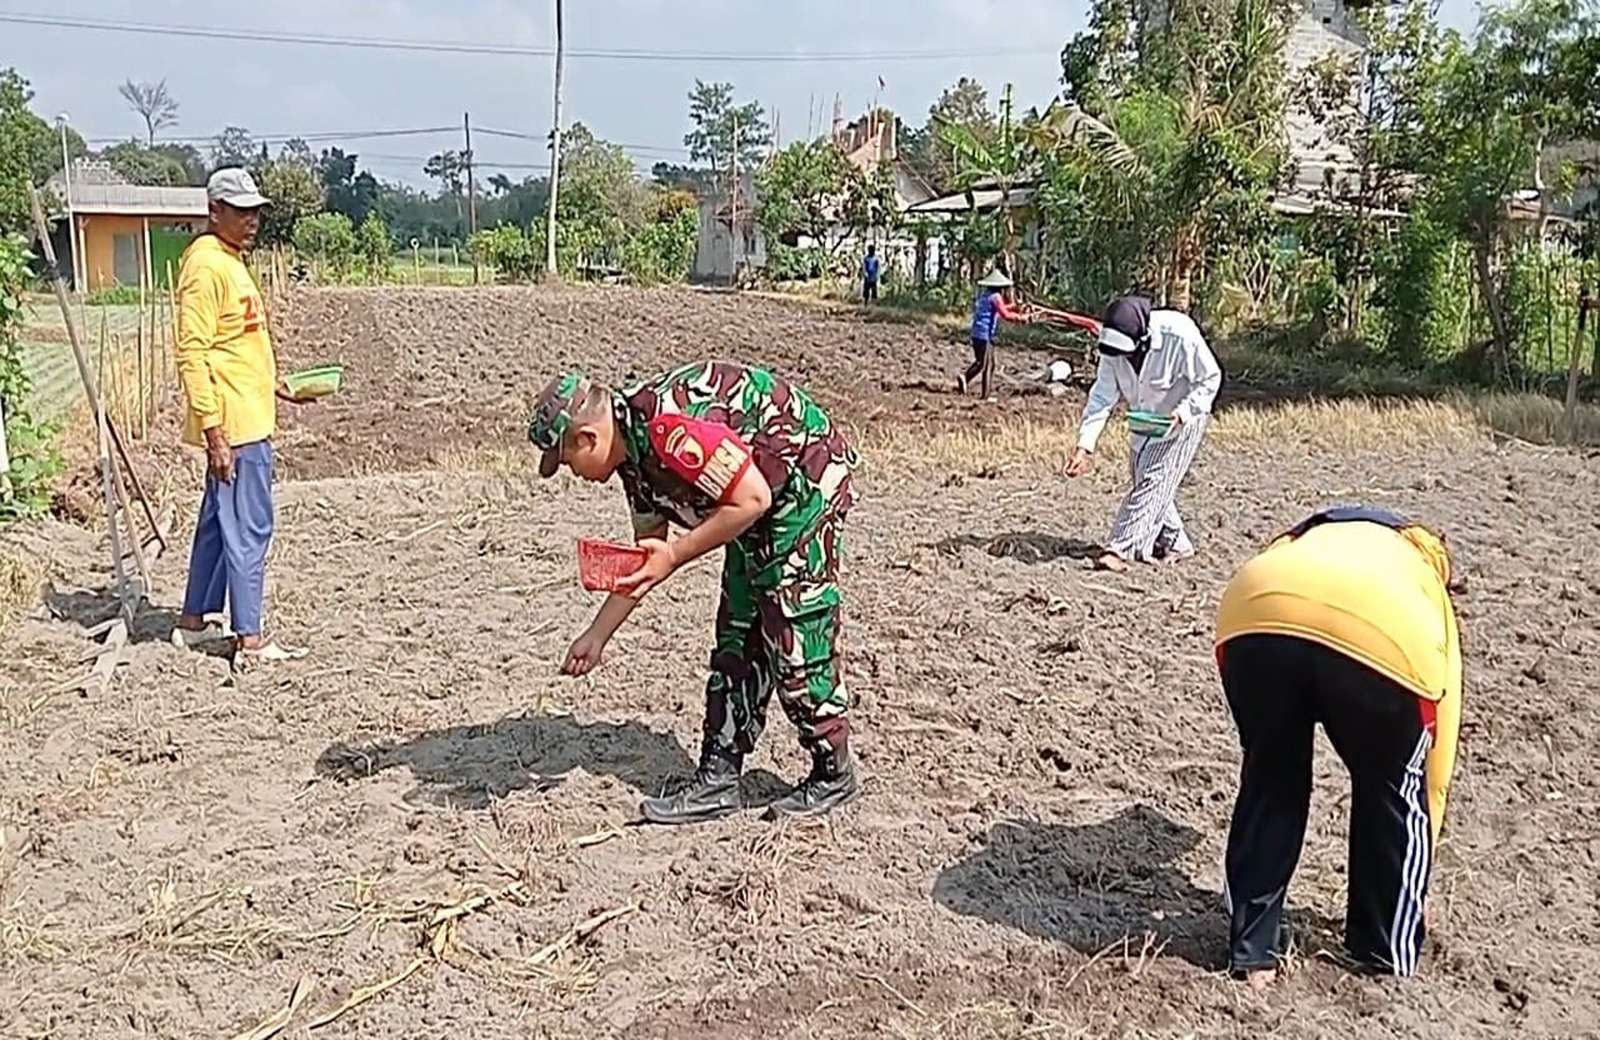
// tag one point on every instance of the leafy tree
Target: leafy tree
(1179, 162)
(723, 129)
(295, 192)
(966, 104)
(234, 147)
(803, 191)
(295, 150)
(811, 188)
(155, 106)
(514, 202)
(328, 240)
(449, 168)
(1004, 161)
(1544, 63)
(414, 214)
(601, 197)
(686, 178)
(349, 190)
(1372, 106)
(30, 150)
(663, 249)
(1098, 65)
(173, 165)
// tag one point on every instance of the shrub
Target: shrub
(25, 489)
(662, 250)
(794, 264)
(375, 247)
(509, 251)
(116, 295)
(328, 241)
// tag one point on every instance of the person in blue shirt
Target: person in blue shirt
(871, 267)
(988, 308)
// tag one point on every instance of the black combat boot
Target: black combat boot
(830, 784)
(712, 793)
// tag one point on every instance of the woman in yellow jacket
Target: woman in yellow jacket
(1345, 620)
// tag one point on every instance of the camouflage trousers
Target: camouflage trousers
(778, 630)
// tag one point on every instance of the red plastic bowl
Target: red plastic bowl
(600, 563)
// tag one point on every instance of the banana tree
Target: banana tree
(1172, 164)
(1004, 162)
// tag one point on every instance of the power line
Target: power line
(544, 139)
(309, 137)
(462, 47)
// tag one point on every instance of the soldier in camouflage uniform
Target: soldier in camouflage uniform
(744, 460)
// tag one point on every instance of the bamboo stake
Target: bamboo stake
(91, 390)
(141, 378)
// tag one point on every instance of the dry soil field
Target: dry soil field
(1048, 762)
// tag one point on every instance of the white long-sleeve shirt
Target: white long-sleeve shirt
(1180, 377)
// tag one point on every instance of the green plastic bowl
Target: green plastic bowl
(1149, 424)
(315, 382)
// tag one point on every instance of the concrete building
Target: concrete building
(730, 244)
(124, 232)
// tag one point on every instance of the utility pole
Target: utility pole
(555, 162)
(472, 196)
(72, 223)
(735, 240)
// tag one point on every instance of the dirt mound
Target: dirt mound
(1048, 763)
(434, 375)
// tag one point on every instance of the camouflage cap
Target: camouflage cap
(553, 418)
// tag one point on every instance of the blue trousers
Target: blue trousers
(229, 562)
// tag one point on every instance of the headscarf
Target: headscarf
(1125, 331)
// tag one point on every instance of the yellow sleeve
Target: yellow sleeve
(200, 296)
(1446, 729)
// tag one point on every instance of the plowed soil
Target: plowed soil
(1049, 766)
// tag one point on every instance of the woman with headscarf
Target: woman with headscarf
(1157, 362)
(1346, 621)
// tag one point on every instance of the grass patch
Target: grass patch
(1347, 426)
(114, 296)
(19, 585)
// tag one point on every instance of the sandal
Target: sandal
(271, 653)
(195, 638)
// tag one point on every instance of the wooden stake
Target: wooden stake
(91, 390)
(1569, 421)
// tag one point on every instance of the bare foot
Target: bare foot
(1111, 562)
(1260, 979)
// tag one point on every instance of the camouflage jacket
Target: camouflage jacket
(681, 462)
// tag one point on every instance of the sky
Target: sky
(282, 89)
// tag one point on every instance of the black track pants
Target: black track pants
(1279, 688)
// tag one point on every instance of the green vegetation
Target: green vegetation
(25, 486)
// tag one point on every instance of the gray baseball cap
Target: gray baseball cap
(235, 186)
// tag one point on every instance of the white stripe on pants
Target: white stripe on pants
(1404, 946)
(1158, 467)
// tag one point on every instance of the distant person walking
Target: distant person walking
(871, 268)
(229, 376)
(988, 308)
(1346, 621)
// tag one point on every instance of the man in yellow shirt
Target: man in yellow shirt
(1345, 620)
(230, 382)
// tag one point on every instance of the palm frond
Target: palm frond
(1070, 128)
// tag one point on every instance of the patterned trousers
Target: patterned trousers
(1147, 525)
(778, 630)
